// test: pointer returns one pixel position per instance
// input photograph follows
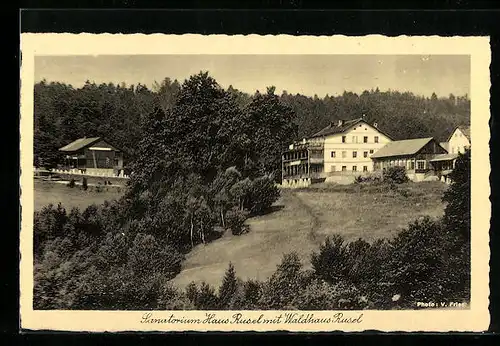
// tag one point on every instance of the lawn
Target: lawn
(302, 220)
(50, 192)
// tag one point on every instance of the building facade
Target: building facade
(339, 152)
(459, 140)
(418, 156)
(349, 145)
(302, 164)
(93, 156)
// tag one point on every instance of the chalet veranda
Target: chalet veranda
(346, 149)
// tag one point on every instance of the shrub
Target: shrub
(395, 175)
(71, 183)
(263, 194)
(320, 295)
(422, 265)
(203, 298)
(331, 263)
(280, 290)
(235, 220)
(371, 178)
(250, 294)
(146, 255)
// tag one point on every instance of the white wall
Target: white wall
(334, 143)
(458, 142)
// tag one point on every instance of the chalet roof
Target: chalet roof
(79, 144)
(335, 128)
(402, 148)
(464, 129)
(444, 157)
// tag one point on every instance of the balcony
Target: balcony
(319, 160)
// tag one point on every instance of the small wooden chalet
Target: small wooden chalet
(421, 157)
(94, 156)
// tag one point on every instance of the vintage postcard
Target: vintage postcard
(254, 183)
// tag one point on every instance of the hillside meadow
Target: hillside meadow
(53, 193)
(302, 219)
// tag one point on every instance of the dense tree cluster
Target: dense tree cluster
(185, 190)
(401, 115)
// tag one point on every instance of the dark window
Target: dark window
(332, 154)
(365, 168)
(354, 168)
(365, 139)
(365, 154)
(343, 139)
(371, 151)
(344, 168)
(376, 139)
(354, 154)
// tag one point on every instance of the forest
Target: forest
(204, 159)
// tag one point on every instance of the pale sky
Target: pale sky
(304, 74)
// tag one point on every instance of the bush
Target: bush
(371, 178)
(263, 194)
(203, 298)
(287, 282)
(415, 268)
(71, 183)
(395, 175)
(146, 255)
(235, 220)
(319, 295)
(249, 295)
(85, 185)
(331, 263)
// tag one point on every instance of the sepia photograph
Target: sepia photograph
(245, 182)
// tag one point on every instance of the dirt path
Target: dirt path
(315, 221)
(256, 254)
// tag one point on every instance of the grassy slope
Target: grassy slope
(306, 218)
(46, 192)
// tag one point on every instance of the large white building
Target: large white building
(342, 150)
(348, 146)
(459, 140)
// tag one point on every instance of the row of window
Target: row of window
(344, 168)
(333, 154)
(355, 139)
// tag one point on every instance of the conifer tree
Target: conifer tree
(228, 288)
